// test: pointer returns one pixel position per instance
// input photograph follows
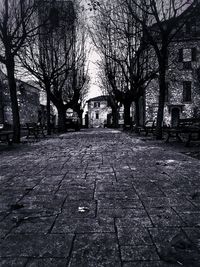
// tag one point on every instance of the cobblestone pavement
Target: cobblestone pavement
(98, 198)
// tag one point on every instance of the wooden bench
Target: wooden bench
(148, 127)
(190, 127)
(34, 130)
(5, 135)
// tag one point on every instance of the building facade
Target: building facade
(182, 98)
(100, 113)
(28, 101)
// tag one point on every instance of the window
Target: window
(187, 86)
(121, 116)
(193, 24)
(97, 104)
(180, 55)
(194, 54)
(54, 17)
(188, 27)
(187, 54)
(167, 59)
(97, 115)
(167, 93)
(187, 65)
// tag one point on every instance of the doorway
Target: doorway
(175, 117)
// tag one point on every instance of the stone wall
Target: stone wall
(103, 110)
(28, 101)
(178, 72)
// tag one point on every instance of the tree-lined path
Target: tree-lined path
(98, 198)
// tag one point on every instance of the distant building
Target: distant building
(28, 101)
(100, 113)
(182, 99)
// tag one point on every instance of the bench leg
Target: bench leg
(178, 138)
(9, 141)
(168, 137)
(187, 144)
(27, 136)
(35, 133)
(43, 133)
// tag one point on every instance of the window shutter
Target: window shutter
(167, 92)
(187, 91)
(180, 55)
(194, 54)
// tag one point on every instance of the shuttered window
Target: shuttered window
(194, 54)
(180, 55)
(187, 88)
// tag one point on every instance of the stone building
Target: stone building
(28, 101)
(100, 113)
(182, 99)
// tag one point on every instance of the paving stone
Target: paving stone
(137, 222)
(51, 262)
(97, 197)
(149, 190)
(133, 216)
(79, 209)
(135, 236)
(13, 262)
(120, 204)
(165, 217)
(79, 194)
(36, 245)
(149, 264)
(191, 218)
(6, 226)
(34, 207)
(194, 235)
(174, 246)
(83, 225)
(164, 234)
(30, 225)
(124, 195)
(95, 250)
(139, 253)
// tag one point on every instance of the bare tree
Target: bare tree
(119, 40)
(108, 91)
(160, 21)
(48, 55)
(80, 78)
(42, 60)
(16, 25)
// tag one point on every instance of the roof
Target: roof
(99, 98)
(191, 10)
(18, 81)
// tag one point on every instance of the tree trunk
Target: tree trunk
(10, 66)
(115, 117)
(137, 113)
(137, 116)
(161, 104)
(48, 109)
(61, 118)
(127, 117)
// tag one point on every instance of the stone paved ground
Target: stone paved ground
(98, 198)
